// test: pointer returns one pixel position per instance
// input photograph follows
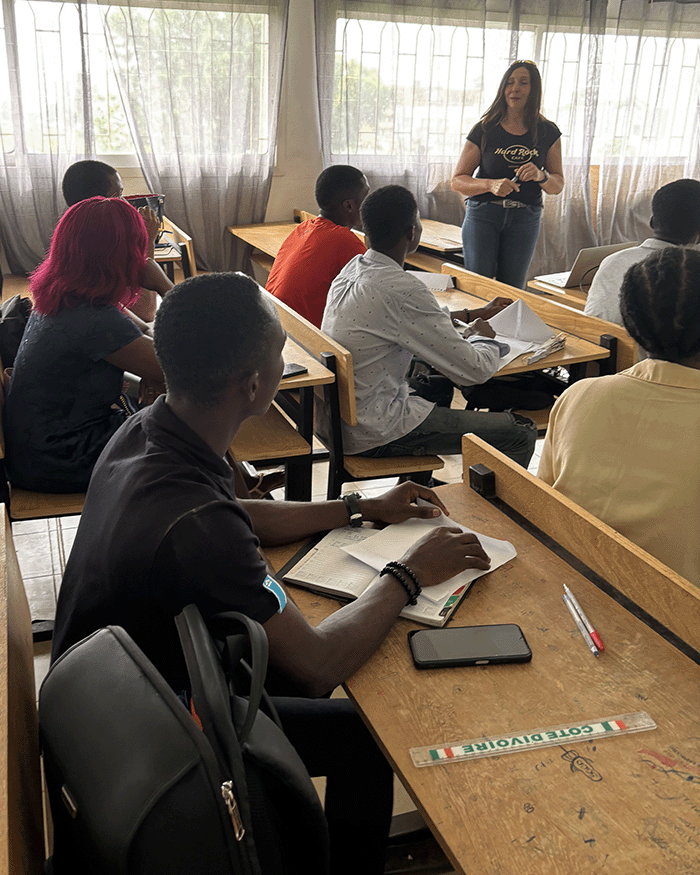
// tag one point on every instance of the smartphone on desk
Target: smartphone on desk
(292, 369)
(468, 645)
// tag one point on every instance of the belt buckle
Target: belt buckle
(509, 204)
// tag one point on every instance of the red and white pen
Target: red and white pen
(586, 622)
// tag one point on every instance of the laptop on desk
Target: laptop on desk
(586, 264)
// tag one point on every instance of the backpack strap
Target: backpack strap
(210, 696)
(235, 645)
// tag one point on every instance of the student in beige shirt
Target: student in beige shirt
(627, 447)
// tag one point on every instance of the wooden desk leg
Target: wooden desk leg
(170, 270)
(577, 371)
(298, 482)
(608, 365)
(185, 261)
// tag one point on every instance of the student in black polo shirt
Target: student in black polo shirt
(518, 153)
(162, 528)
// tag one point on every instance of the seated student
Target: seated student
(317, 250)
(675, 220)
(63, 402)
(162, 528)
(384, 316)
(625, 447)
(86, 179)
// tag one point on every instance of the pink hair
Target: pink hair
(97, 256)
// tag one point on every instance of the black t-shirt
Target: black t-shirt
(58, 413)
(161, 529)
(503, 153)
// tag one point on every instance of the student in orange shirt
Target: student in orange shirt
(318, 249)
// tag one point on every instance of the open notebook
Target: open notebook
(346, 561)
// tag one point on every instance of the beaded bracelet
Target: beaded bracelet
(391, 568)
(418, 588)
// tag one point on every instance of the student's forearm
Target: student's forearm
(343, 642)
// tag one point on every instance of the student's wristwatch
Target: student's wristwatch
(546, 177)
(352, 502)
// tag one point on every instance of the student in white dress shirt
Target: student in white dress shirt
(384, 317)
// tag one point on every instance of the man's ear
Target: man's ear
(250, 385)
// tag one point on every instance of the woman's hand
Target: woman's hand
(154, 278)
(444, 552)
(531, 173)
(503, 187)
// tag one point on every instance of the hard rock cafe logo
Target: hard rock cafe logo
(518, 154)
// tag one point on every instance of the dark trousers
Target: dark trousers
(332, 741)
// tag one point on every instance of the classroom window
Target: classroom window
(415, 90)
(72, 90)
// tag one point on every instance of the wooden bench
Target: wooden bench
(184, 242)
(21, 841)
(274, 440)
(648, 583)
(340, 398)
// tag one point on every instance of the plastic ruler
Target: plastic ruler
(602, 727)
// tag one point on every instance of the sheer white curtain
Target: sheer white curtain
(45, 117)
(201, 90)
(191, 87)
(401, 85)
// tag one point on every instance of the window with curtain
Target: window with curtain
(401, 85)
(189, 87)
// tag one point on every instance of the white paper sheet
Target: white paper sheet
(521, 329)
(394, 540)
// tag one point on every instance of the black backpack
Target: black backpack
(137, 788)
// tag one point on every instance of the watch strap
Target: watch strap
(352, 502)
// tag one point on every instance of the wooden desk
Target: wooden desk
(168, 252)
(573, 356)
(573, 297)
(628, 805)
(268, 238)
(440, 236)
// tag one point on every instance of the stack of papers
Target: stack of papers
(521, 329)
(346, 561)
(436, 282)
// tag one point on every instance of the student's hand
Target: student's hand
(478, 326)
(503, 187)
(444, 552)
(152, 223)
(530, 173)
(398, 504)
(491, 309)
(154, 278)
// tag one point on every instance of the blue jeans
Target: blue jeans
(441, 432)
(500, 242)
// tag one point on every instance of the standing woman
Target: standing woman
(518, 155)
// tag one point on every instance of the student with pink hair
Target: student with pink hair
(64, 398)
